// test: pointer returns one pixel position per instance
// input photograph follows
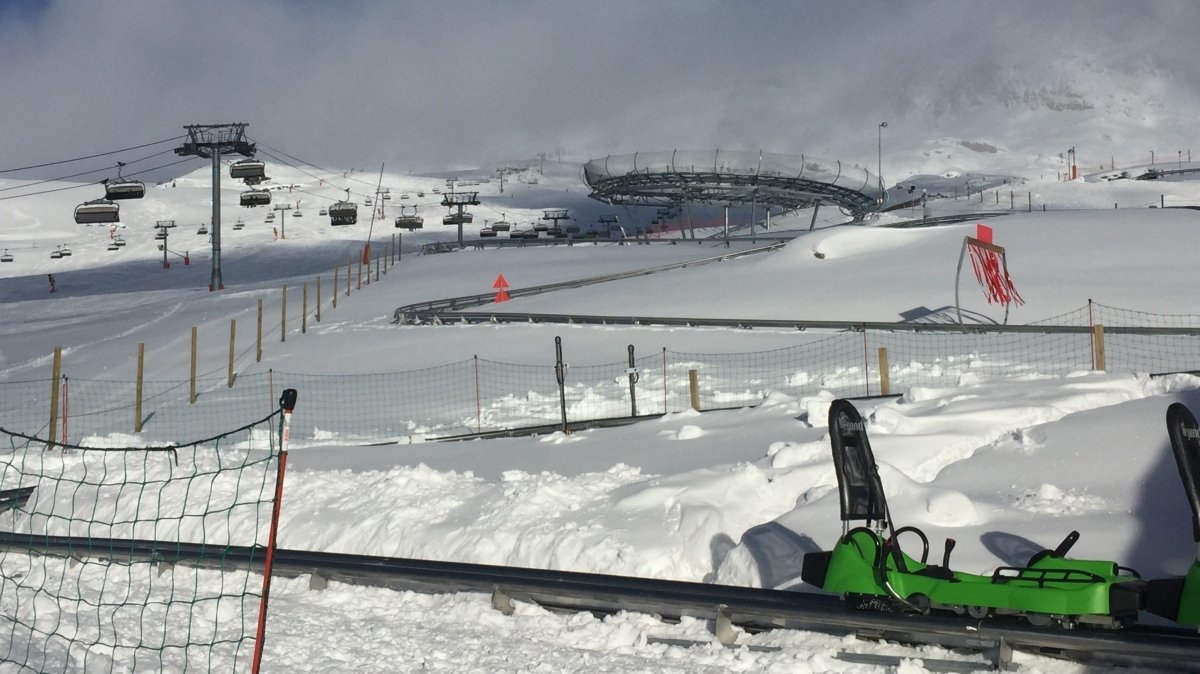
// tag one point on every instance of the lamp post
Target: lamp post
(879, 166)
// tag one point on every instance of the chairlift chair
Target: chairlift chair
(323, 211)
(405, 221)
(97, 211)
(456, 219)
(248, 169)
(202, 231)
(65, 251)
(297, 214)
(252, 198)
(368, 202)
(123, 188)
(119, 242)
(239, 224)
(6, 256)
(56, 255)
(486, 232)
(501, 226)
(113, 246)
(343, 213)
(161, 235)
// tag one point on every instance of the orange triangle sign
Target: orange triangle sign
(502, 296)
(500, 283)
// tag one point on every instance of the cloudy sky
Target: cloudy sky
(436, 85)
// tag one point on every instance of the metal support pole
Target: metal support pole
(633, 379)
(560, 373)
(215, 283)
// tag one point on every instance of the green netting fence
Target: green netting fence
(98, 605)
(481, 395)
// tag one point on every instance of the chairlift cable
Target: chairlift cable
(92, 156)
(319, 168)
(75, 187)
(82, 173)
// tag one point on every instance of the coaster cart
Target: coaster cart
(868, 567)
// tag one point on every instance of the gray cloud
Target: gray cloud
(431, 85)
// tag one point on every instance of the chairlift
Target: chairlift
(387, 197)
(57, 254)
(405, 221)
(463, 218)
(65, 250)
(405, 196)
(252, 198)
(202, 231)
(112, 245)
(119, 242)
(239, 224)
(6, 257)
(323, 211)
(97, 211)
(248, 169)
(270, 217)
(368, 202)
(343, 212)
(161, 235)
(297, 214)
(487, 231)
(419, 195)
(123, 188)
(501, 226)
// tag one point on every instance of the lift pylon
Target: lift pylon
(210, 141)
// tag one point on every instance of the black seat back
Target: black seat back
(859, 487)
(1185, 442)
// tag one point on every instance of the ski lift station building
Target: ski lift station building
(784, 181)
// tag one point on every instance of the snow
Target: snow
(1004, 465)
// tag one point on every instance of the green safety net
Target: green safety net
(89, 538)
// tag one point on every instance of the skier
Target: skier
(276, 233)
(51, 277)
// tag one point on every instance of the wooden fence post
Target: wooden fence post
(349, 270)
(336, 271)
(694, 389)
(358, 285)
(318, 299)
(283, 316)
(378, 261)
(258, 342)
(192, 386)
(304, 309)
(1098, 348)
(55, 378)
(232, 351)
(885, 384)
(137, 404)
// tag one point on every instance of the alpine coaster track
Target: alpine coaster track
(751, 609)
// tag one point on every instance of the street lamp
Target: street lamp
(879, 167)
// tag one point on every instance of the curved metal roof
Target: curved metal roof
(729, 177)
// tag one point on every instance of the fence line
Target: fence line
(481, 395)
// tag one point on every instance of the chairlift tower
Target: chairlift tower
(609, 221)
(461, 200)
(283, 213)
(164, 227)
(555, 214)
(211, 141)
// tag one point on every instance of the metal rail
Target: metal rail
(426, 310)
(437, 317)
(752, 609)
